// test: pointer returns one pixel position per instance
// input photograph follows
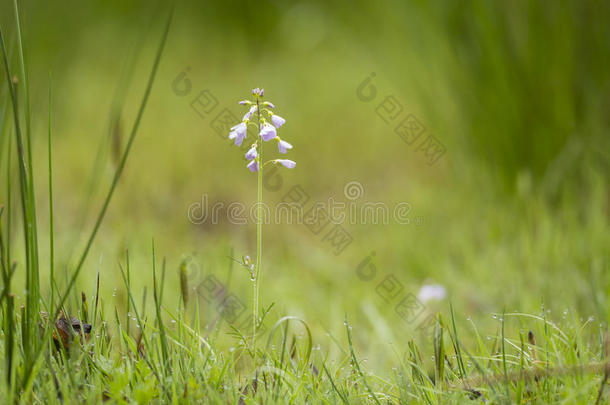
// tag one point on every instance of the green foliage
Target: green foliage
(518, 92)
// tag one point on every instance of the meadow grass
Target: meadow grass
(158, 336)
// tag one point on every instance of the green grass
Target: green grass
(520, 238)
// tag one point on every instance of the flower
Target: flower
(249, 113)
(283, 146)
(251, 154)
(245, 102)
(267, 132)
(431, 292)
(238, 132)
(290, 164)
(253, 166)
(268, 104)
(277, 120)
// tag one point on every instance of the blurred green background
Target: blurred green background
(513, 215)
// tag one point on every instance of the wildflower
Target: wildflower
(283, 146)
(253, 166)
(290, 164)
(260, 112)
(267, 132)
(252, 154)
(249, 113)
(238, 132)
(268, 123)
(431, 292)
(277, 120)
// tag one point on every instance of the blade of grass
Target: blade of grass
(51, 231)
(140, 324)
(504, 368)
(163, 338)
(458, 352)
(356, 365)
(24, 190)
(33, 275)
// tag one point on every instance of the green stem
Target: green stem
(259, 235)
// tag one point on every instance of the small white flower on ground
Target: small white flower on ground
(253, 166)
(251, 154)
(431, 292)
(267, 132)
(290, 164)
(283, 146)
(238, 132)
(277, 120)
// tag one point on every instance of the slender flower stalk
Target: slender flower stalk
(259, 239)
(267, 124)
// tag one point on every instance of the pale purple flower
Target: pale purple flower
(262, 92)
(290, 164)
(267, 132)
(238, 132)
(277, 120)
(245, 102)
(283, 146)
(249, 113)
(256, 91)
(251, 154)
(253, 166)
(268, 104)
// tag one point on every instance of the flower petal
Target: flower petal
(251, 154)
(290, 164)
(277, 120)
(267, 132)
(283, 146)
(253, 166)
